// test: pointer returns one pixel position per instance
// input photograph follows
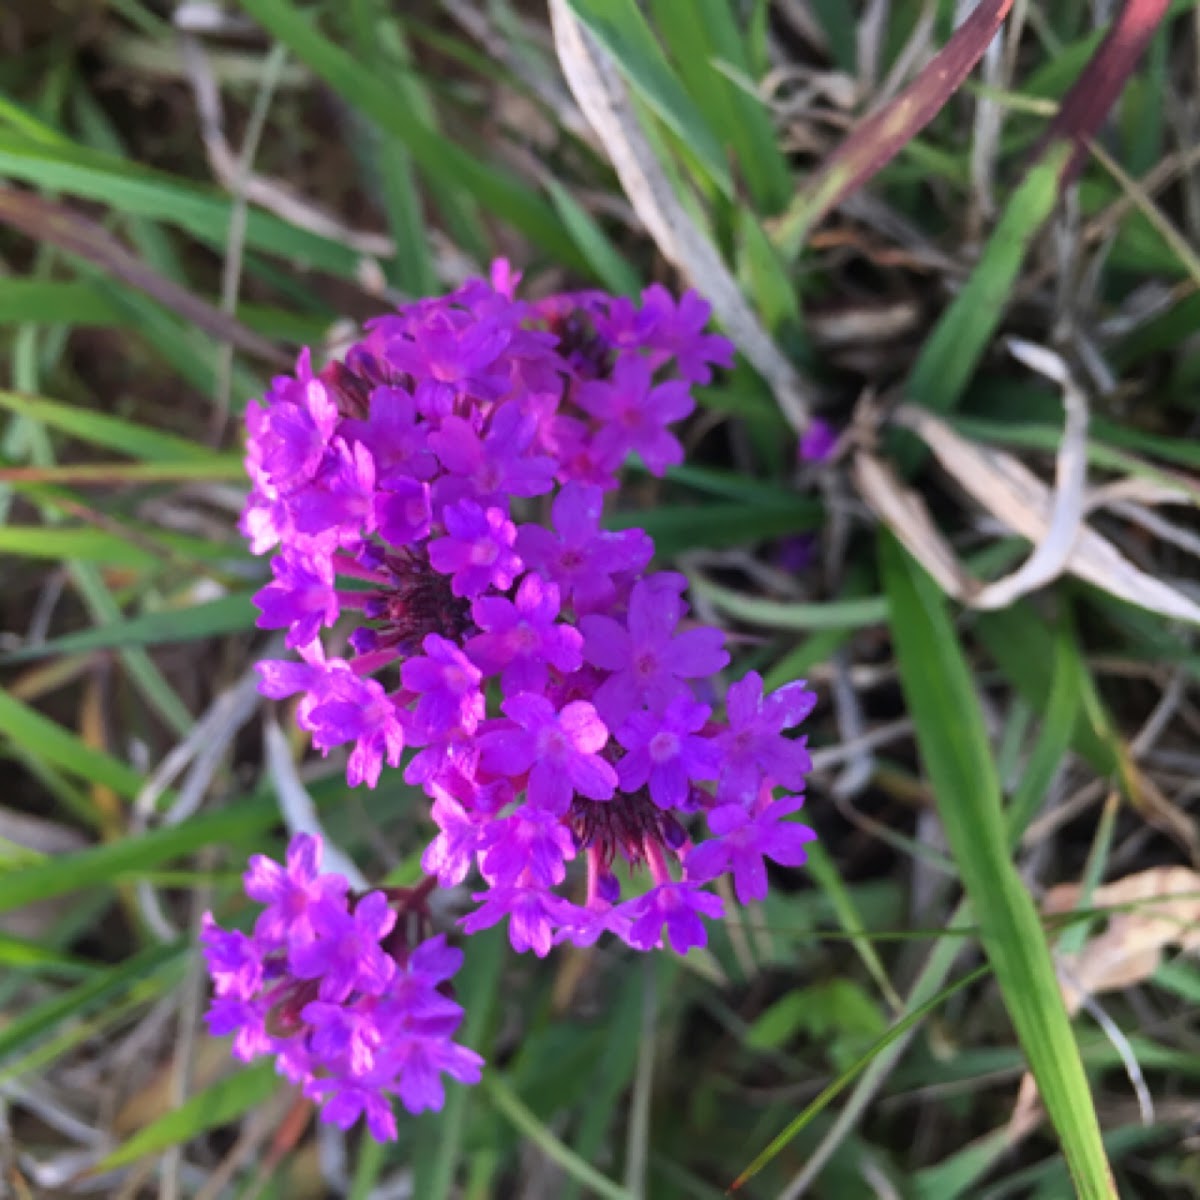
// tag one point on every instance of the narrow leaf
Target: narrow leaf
(954, 748)
(618, 25)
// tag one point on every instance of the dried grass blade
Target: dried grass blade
(878, 139)
(1086, 105)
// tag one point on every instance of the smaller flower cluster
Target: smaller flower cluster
(328, 984)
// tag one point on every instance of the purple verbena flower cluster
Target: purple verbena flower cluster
(328, 985)
(444, 484)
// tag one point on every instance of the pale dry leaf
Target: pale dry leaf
(601, 93)
(1014, 496)
(1157, 908)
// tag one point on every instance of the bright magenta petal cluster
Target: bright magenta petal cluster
(434, 506)
(329, 985)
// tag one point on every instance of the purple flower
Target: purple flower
(636, 414)
(477, 549)
(246, 1020)
(678, 906)
(522, 638)
(422, 1062)
(818, 441)
(494, 467)
(350, 709)
(343, 1034)
(234, 961)
(302, 599)
(296, 430)
(292, 894)
(579, 556)
(350, 1099)
(744, 840)
(403, 514)
(450, 855)
(389, 483)
(679, 330)
(340, 502)
(646, 657)
(754, 747)
(531, 845)
(345, 955)
(663, 749)
(533, 914)
(560, 751)
(396, 436)
(462, 354)
(349, 1023)
(447, 683)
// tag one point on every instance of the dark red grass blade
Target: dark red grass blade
(1085, 106)
(47, 221)
(878, 139)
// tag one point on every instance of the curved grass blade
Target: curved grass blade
(48, 222)
(103, 864)
(878, 139)
(226, 615)
(103, 989)
(830, 1093)
(102, 429)
(48, 740)
(954, 746)
(510, 1106)
(219, 1104)
(139, 191)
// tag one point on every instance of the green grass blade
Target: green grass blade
(510, 1106)
(605, 259)
(141, 667)
(48, 740)
(704, 37)
(101, 429)
(218, 1104)
(618, 25)
(478, 989)
(98, 865)
(438, 157)
(57, 301)
(138, 191)
(1053, 740)
(19, 1033)
(1023, 648)
(81, 544)
(715, 526)
(226, 615)
(954, 747)
(963, 332)
(909, 1021)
